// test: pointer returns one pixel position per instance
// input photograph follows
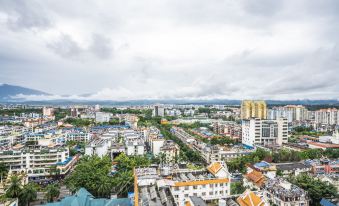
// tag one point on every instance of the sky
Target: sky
(171, 49)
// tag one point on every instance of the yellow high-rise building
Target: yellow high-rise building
(251, 108)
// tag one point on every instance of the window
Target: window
(195, 187)
(204, 194)
(186, 188)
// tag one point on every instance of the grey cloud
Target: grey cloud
(262, 7)
(66, 47)
(101, 46)
(25, 14)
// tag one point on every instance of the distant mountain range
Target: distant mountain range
(7, 92)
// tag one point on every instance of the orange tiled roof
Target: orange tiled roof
(214, 167)
(248, 198)
(256, 177)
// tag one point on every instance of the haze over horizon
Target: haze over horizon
(146, 49)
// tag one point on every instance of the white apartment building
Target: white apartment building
(290, 112)
(218, 153)
(36, 162)
(327, 116)
(173, 112)
(99, 147)
(135, 147)
(78, 136)
(264, 132)
(11, 134)
(102, 117)
(134, 143)
(156, 144)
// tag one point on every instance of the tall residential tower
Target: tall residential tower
(253, 109)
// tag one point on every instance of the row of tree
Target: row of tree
(95, 174)
(27, 193)
(186, 153)
(285, 155)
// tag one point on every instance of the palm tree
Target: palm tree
(3, 171)
(14, 189)
(28, 193)
(105, 187)
(52, 191)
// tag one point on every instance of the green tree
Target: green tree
(3, 171)
(14, 188)
(105, 187)
(90, 173)
(52, 192)
(28, 193)
(237, 188)
(316, 188)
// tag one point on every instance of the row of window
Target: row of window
(202, 186)
(203, 194)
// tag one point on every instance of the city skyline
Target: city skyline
(171, 49)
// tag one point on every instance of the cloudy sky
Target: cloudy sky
(196, 49)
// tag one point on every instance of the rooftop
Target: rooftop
(284, 190)
(249, 198)
(292, 166)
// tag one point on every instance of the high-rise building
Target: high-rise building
(327, 116)
(264, 132)
(159, 111)
(299, 112)
(74, 112)
(253, 109)
(291, 112)
(47, 111)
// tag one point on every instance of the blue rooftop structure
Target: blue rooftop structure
(262, 164)
(325, 202)
(84, 198)
(65, 162)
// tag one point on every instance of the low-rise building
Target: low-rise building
(177, 186)
(99, 147)
(249, 198)
(254, 180)
(293, 168)
(37, 161)
(323, 166)
(279, 192)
